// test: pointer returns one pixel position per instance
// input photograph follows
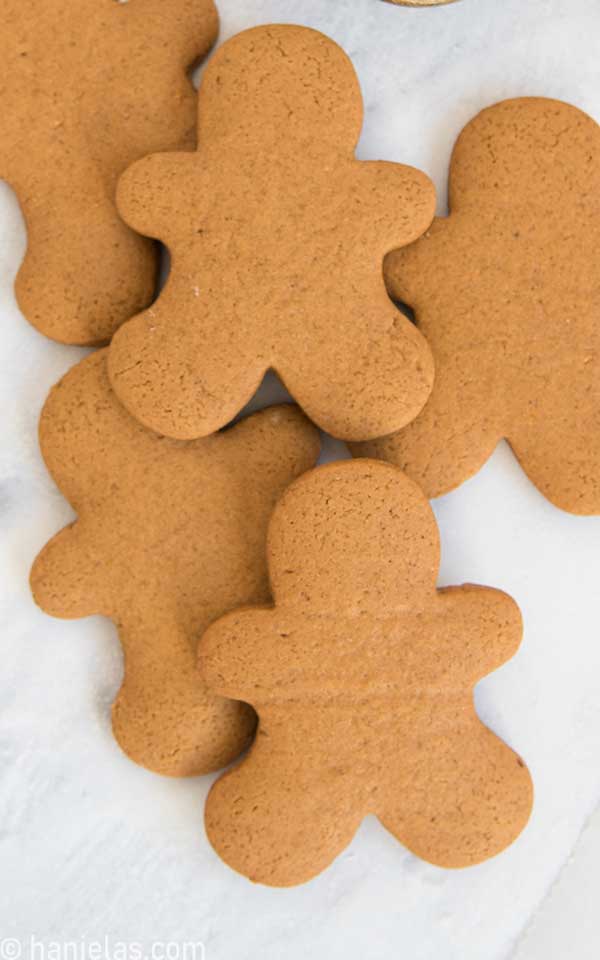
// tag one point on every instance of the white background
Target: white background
(92, 846)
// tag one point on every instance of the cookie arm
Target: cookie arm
(399, 201)
(237, 652)
(64, 577)
(185, 29)
(153, 192)
(279, 441)
(408, 270)
(562, 458)
(488, 625)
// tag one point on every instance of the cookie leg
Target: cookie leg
(279, 821)
(448, 443)
(175, 381)
(563, 462)
(79, 288)
(363, 376)
(164, 718)
(464, 799)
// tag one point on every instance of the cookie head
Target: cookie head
(355, 540)
(313, 90)
(81, 424)
(516, 151)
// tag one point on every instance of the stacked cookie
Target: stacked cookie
(240, 578)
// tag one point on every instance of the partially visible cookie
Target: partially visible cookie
(169, 536)
(278, 235)
(362, 675)
(507, 292)
(87, 88)
(420, 3)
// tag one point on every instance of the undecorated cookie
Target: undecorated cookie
(420, 3)
(87, 88)
(170, 536)
(362, 675)
(507, 292)
(278, 235)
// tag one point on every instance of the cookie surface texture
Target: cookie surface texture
(362, 675)
(169, 536)
(88, 88)
(507, 292)
(278, 235)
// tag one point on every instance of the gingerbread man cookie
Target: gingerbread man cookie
(87, 88)
(507, 291)
(278, 235)
(362, 675)
(170, 536)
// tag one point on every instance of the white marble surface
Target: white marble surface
(93, 847)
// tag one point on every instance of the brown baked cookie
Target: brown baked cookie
(507, 292)
(170, 536)
(362, 675)
(278, 235)
(420, 3)
(87, 88)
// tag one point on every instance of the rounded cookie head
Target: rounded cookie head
(280, 81)
(353, 538)
(513, 152)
